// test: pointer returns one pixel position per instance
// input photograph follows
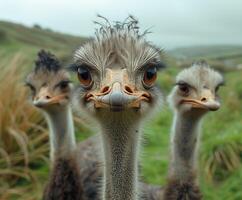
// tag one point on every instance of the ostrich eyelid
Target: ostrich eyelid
(30, 86)
(182, 83)
(186, 84)
(62, 82)
(75, 66)
(157, 64)
(219, 85)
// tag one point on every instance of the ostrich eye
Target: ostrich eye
(184, 88)
(84, 77)
(216, 89)
(218, 86)
(63, 84)
(150, 76)
(32, 88)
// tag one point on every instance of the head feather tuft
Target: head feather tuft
(47, 61)
(129, 26)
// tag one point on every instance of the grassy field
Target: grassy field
(24, 135)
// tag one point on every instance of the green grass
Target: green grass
(222, 130)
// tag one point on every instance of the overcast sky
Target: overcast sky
(174, 22)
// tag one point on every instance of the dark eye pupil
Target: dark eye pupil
(84, 73)
(183, 88)
(150, 73)
(63, 85)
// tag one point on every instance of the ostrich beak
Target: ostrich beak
(118, 93)
(44, 99)
(206, 102)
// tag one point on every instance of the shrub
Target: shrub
(37, 26)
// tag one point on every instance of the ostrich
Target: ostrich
(193, 96)
(51, 92)
(117, 72)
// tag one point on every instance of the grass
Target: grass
(23, 135)
(24, 150)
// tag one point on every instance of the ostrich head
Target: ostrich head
(117, 71)
(196, 89)
(49, 83)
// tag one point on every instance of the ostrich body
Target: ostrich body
(51, 90)
(117, 71)
(91, 171)
(193, 96)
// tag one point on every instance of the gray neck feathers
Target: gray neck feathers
(184, 142)
(62, 138)
(120, 144)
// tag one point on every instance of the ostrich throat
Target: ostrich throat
(120, 144)
(62, 138)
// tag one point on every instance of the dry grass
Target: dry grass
(23, 134)
(222, 159)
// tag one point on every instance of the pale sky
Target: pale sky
(174, 23)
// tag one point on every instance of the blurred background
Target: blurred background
(187, 30)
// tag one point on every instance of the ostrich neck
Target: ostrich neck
(185, 137)
(120, 154)
(62, 138)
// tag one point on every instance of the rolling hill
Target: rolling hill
(19, 38)
(210, 51)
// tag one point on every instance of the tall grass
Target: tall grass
(222, 148)
(23, 134)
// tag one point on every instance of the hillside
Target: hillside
(19, 38)
(219, 52)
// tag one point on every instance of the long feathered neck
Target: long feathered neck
(62, 138)
(120, 144)
(184, 142)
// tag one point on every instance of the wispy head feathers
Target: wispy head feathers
(117, 43)
(200, 63)
(47, 61)
(200, 74)
(130, 26)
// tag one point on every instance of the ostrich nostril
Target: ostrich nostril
(128, 89)
(105, 89)
(204, 99)
(47, 97)
(146, 95)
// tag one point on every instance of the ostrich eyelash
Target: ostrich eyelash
(219, 85)
(63, 82)
(158, 64)
(75, 66)
(182, 83)
(30, 86)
